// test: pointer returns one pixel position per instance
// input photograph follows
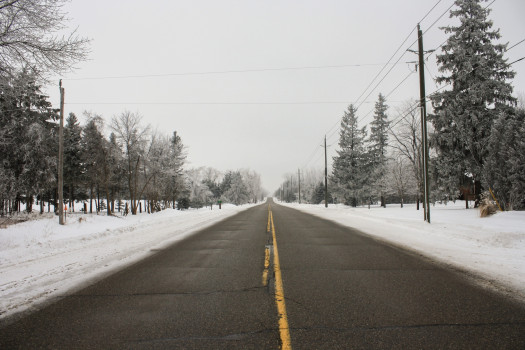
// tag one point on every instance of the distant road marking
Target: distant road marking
(268, 226)
(284, 329)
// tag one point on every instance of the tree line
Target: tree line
(131, 163)
(119, 166)
(476, 136)
(206, 186)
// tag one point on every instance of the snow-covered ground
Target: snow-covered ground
(40, 259)
(492, 247)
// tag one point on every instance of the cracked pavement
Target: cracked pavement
(343, 290)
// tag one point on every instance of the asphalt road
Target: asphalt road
(342, 290)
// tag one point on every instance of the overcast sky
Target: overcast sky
(257, 84)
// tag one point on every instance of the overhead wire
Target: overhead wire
(252, 70)
(427, 29)
(331, 131)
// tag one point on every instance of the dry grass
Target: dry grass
(487, 207)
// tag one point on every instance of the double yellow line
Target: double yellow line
(284, 329)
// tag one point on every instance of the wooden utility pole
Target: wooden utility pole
(299, 181)
(325, 176)
(61, 220)
(424, 139)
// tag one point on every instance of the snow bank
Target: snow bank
(491, 247)
(41, 259)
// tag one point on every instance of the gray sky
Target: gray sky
(257, 84)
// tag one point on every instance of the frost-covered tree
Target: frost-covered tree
(378, 143)
(351, 165)
(133, 138)
(407, 142)
(472, 63)
(199, 193)
(31, 38)
(234, 188)
(94, 151)
(173, 174)
(27, 141)
(252, 181)
(318, 196)
(504, 169)
(212, 179)
(117, 175)
(310, 178)
(73, 166)
(401, 179)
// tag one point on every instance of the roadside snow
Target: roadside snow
(41, 259)
(491, 247)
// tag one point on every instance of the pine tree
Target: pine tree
(378, 143)
(28, 140)
(504, 169)
(93, 157)
(237, 192)
(318, 194)
(473, 64)
(350, 164)
(72, 157)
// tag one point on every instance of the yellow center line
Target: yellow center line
(284, 329)
(268, 226)
(266, 266)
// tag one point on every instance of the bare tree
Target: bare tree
(407, 136)
(253, 184)
(401, 178)
(30, 39)
(133, 138)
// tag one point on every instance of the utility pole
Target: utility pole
(61, 158)
(299, 181)
(325, 176)
(424, 138)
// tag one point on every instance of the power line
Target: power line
(404, 41)
(444, 13)
(513, 46)
(332, 130)
(213, 103)
(311, 156)
(429, 11)
(383, 68)
(225, 72)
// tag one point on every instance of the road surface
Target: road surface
(272, 277)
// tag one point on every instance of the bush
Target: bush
(183, 203)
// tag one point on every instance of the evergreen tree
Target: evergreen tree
(177, 158)
(350, 164)
(116, 181)
(94, 152)
(473, 64)
(504, 169)
(378, 143)
(28, 137)
(72, 157)
(237, 191)
(318, 194)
